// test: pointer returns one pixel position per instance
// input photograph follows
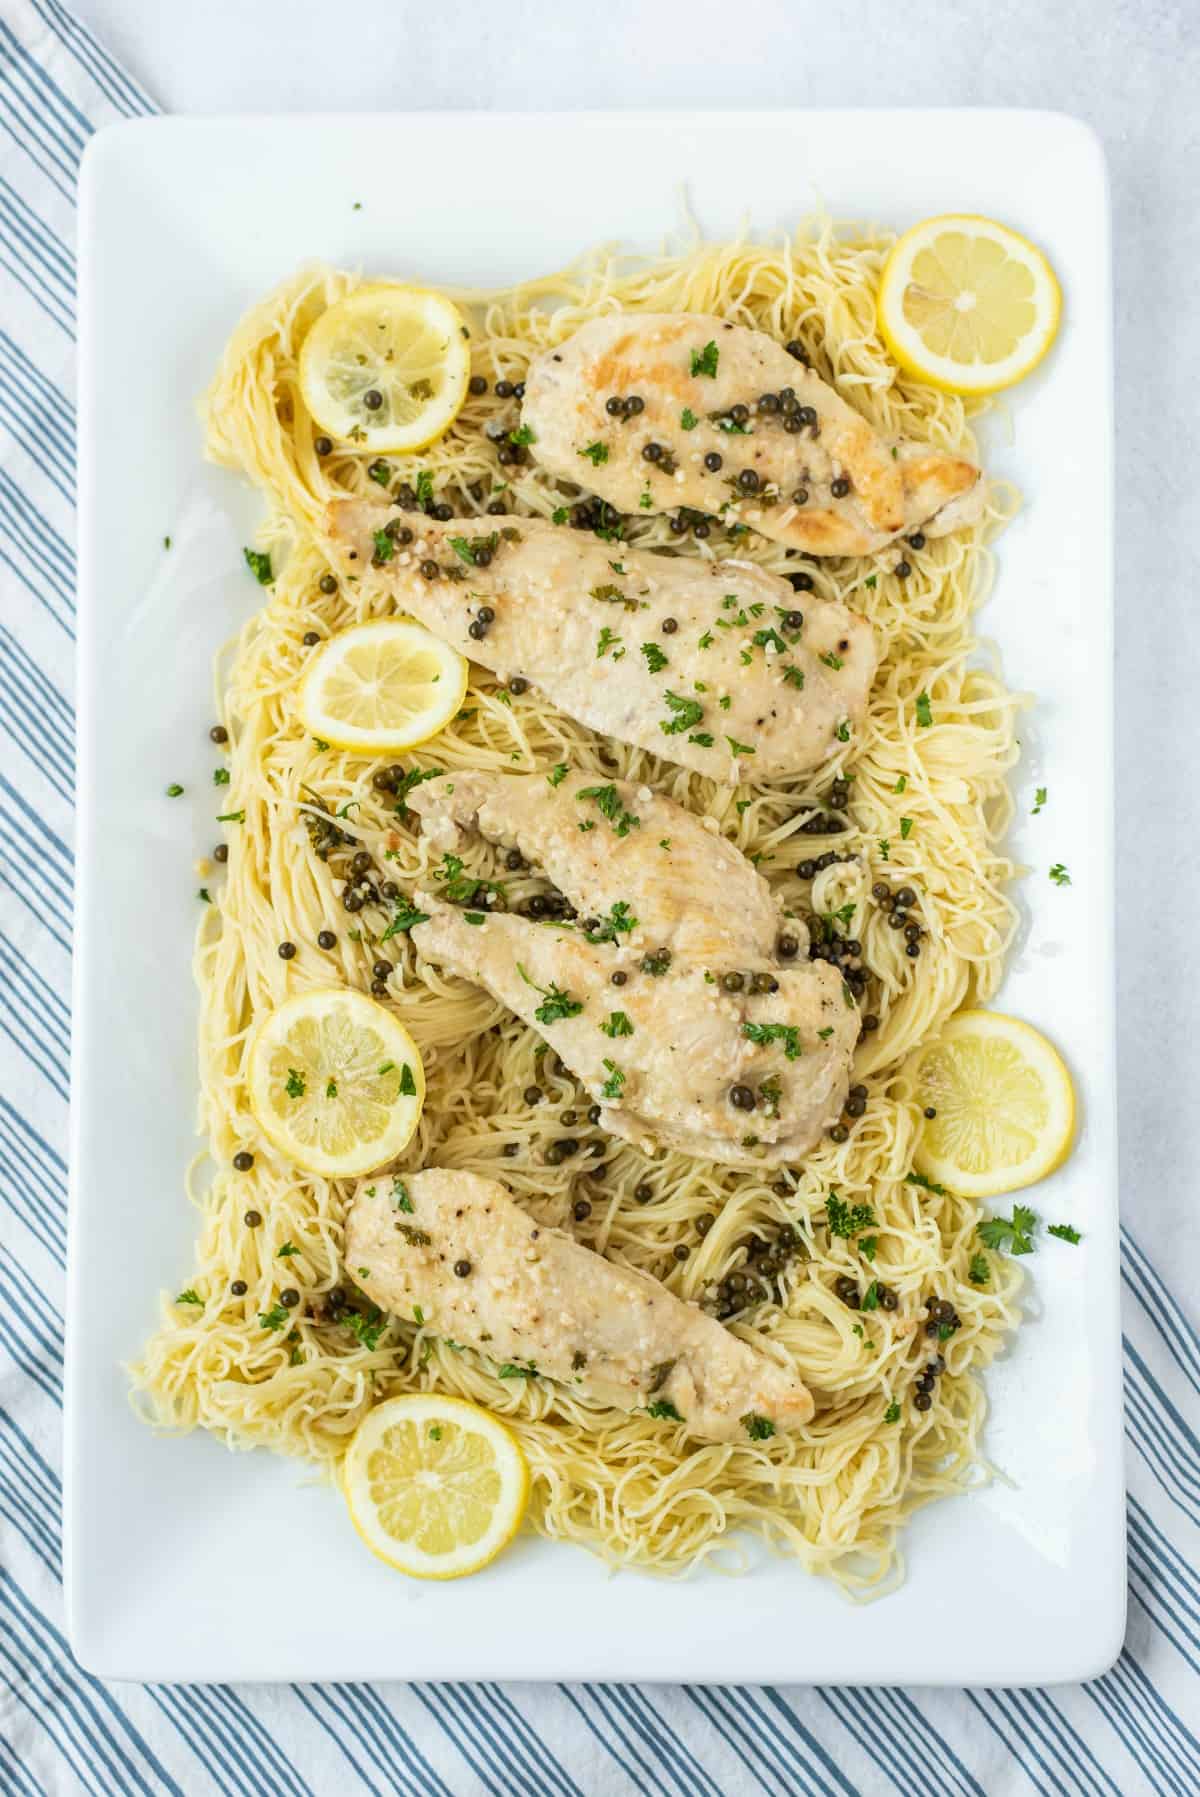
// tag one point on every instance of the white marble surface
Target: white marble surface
(1129, 67)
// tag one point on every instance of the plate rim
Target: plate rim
(105, 148)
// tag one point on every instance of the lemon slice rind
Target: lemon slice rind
(435, 1507)
(1005, 1106)
(344, 1057)
(384, 685)
(406, 346)
(950, 374)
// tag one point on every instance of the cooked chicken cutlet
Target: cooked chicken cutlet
(536, 1299)
(729, 423)
(747, 1070)
(619, 638)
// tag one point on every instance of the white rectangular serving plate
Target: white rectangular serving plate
(186, 1562)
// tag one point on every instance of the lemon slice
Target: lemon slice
(1004, 1103)
(336, 1082)
(380, 686)
(435, 1486)
(968, 304)
(386, 368)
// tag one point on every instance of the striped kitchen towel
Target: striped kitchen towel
(64, 1731)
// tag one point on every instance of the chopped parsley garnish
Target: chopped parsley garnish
(296, 1084)
(220, 776)
(688, 712)
(615, 1081)
(758, 1428)
(189, 1297)
(842, 915)
(608, 802)
(522, 436)
(406, 918)
(662, 1409)
(926, 1185)
(558, 1004)
(979, 1271)
(619, 922)
(901, 784)
(687, 419)
(733, 429)
(826, 1032)
(770, 638)
(707, 640)
(770, 1092)
(424, 487)
(385, 549)
(557, 774)
(288, 1249)
(465, 550)
(885, 849)
(367, 1329)
(906, 825)
(1014, 1233)
(787, 1033)
(605, 641)
(645, 502)
(509, 1371)
(475, 917)
(408, 1086)
(1065, 1232)
(174, 790)
(416, 1238)
(401, 1199)
(618, 1025)
(656, 661)
(418, 1315)
(924, 710)
(1039, 800)
(867, 1246)
(259, 565)
(274, 1318)
(231, 817)
(1059, 874)
(870, 1298)
(704, 361)
(595, 453)
(833, 661)
(380, 473)
(205, 894)
(843, 731)
(461, 888)
(847, 1220)
(892, 1413)
(702, 739)
(559, 515)
(610, 594)
(794, 677)
(736, 748)
(414, 777)
(320, 744)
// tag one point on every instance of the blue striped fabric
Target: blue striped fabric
(62, 1731)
